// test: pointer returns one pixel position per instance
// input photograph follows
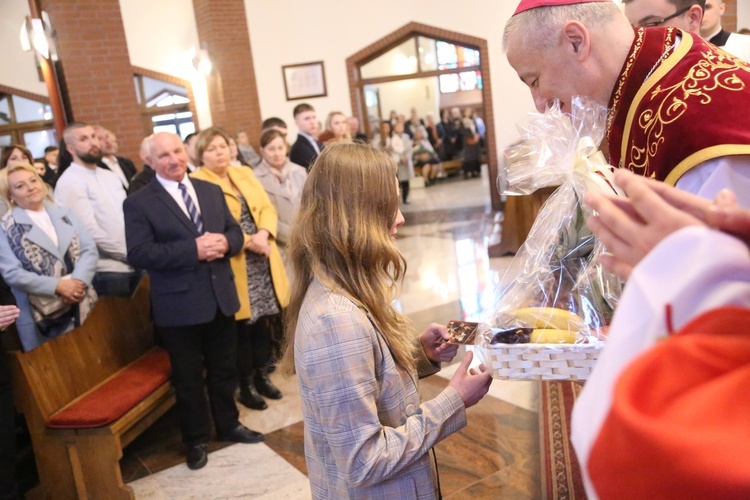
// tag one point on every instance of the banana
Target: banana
(553, 336)
(549, 317)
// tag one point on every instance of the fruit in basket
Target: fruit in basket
(512, 336)
(553, 336)
(549, 318)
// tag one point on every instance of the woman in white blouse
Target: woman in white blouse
(47, 258)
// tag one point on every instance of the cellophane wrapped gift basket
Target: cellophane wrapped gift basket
(554, 303)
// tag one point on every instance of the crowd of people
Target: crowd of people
(232, 238)
(209, 218)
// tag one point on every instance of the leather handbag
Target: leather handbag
(49, 306)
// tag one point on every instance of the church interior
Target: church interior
(139, 67)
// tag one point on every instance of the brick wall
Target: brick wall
(97, 75)
(232, 91)
(729, 19)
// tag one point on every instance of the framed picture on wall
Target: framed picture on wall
(303, 81)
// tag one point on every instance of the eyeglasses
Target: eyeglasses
(659, 22)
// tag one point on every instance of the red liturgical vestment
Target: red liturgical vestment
(675, 107)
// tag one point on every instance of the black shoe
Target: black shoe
(197, 456)
(250, 398)
(265, 387)
(241, 434)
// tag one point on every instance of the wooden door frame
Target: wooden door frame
(383, 45)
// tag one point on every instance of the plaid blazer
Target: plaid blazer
(367, 433)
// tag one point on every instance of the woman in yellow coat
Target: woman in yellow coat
(259, 275)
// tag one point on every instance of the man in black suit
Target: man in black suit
(147, 174)
(306, 148)
(181, 231)
(123, 167)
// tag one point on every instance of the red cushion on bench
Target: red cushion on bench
(116, 396)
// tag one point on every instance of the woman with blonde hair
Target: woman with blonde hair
(367, 434)
(259, 274)
(337, 129)
(47, 258)
(14, 154)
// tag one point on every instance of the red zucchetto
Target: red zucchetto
(533, 4)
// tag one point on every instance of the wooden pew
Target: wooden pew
(454, 166)
(88, 393)
(451, 167)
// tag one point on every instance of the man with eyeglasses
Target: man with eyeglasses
(711, 30)
(683, 14)
(677, 104)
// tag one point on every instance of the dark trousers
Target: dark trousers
(211, 345)
(7, 433)
(404, 190)
(253, 346)
(117, 284)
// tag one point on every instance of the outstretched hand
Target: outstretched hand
(472, 384)
(631, 227)
(437, 352)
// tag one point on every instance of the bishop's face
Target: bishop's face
(547, 72)
(571, 67)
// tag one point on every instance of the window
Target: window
(456, 82)
(165, 105)
(26, 121)
(420, 54)
(450, 56)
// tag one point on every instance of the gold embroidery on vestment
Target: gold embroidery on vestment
(715, 72)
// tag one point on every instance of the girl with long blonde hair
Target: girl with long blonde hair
(357, 359)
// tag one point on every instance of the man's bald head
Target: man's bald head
(144, 150)
(167, 156)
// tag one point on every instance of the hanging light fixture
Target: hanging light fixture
(37, 34)
(201, 61)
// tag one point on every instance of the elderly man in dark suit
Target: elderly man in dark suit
(306, 148)
(123, 168)
(181, 231)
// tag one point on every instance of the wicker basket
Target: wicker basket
(541, 361)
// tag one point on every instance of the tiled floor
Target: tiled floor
(449, 277)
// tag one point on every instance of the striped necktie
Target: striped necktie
(195, 216)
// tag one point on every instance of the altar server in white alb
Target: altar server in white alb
(712, 30)
(665, 413)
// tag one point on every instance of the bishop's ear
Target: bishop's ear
(575, 38)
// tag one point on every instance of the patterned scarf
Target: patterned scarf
(35, 259)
